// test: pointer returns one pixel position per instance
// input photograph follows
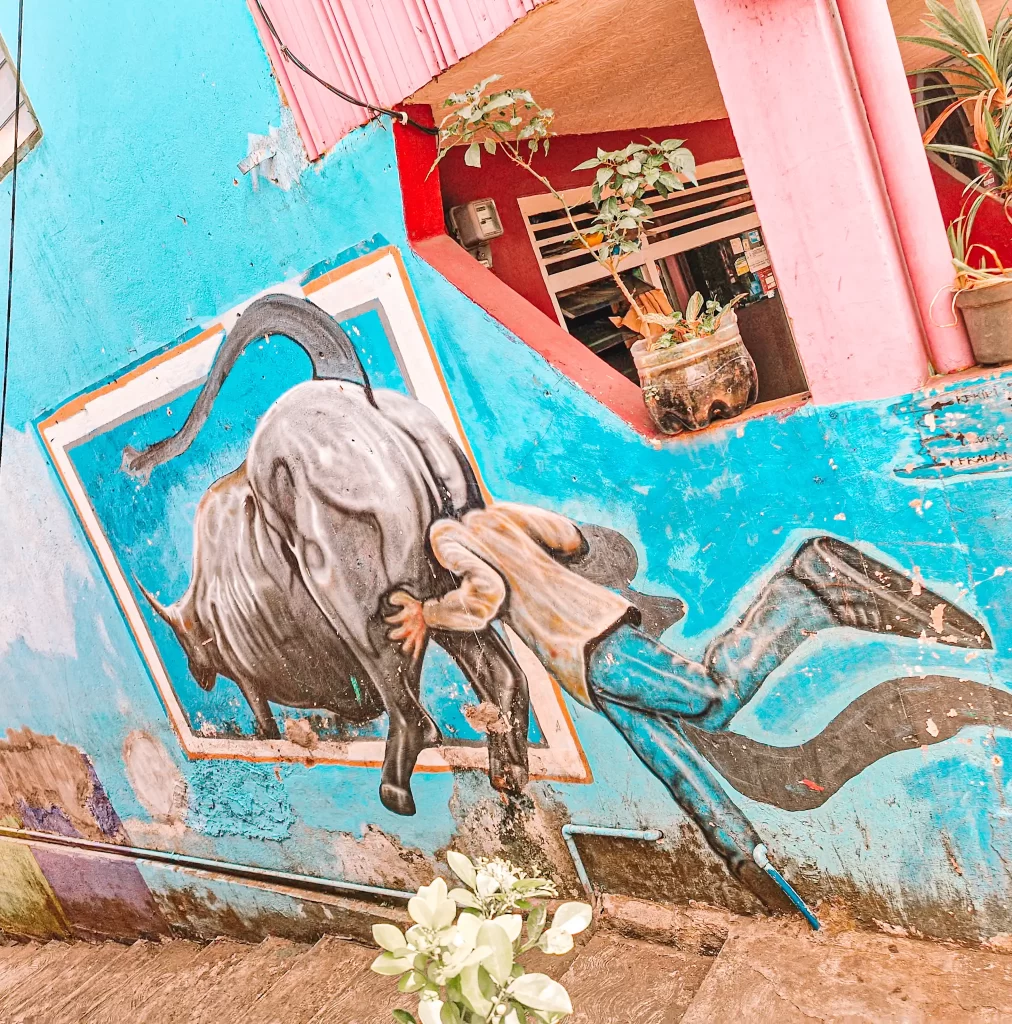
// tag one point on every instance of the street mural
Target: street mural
(313, 567)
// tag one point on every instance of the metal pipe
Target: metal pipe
(882, 81)
(759, 855)
(310, 882)
(569, 832)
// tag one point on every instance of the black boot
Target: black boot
(866, 594)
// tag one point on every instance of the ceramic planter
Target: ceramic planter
(688, 386)
(988, 314)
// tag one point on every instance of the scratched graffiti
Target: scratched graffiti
(962, 431)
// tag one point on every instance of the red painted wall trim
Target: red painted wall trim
(423, 216)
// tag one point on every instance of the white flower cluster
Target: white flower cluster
(463, 966)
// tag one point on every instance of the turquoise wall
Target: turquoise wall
(135, 227)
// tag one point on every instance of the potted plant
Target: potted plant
(512, 122)
(982, 292)
(696, 368)
(463, 967)
(978, 70)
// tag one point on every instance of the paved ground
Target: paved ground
(765, 973)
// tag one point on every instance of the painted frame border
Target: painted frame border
(378, 279)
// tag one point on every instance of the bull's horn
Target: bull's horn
(168, 613)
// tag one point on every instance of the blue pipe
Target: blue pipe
(762, 860)
(650, 835)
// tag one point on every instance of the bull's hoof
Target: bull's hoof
(397, 799)
(509, 778)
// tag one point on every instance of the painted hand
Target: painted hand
(409, 622)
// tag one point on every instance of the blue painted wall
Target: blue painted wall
(134, 226)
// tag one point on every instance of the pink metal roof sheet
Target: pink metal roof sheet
(378, 50)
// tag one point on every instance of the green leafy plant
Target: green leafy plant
(978, 70)
(512, 122)
(700, 320)
(463, 966)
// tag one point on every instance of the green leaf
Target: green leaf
(497, 102)
(472, 156)
(540, 992)
(450, 1014)
(390, 965)
(464, 898)
(587, 165)
(471, 989)
(413, 981)
(499, 962)
(536, 923)
(527, 884)
(403, 1017)
(388, 937)
(672, 181)
(603, 175)
(489, 145)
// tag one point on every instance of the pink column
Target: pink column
(890, 110)
(789, 89)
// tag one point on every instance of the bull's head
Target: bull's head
(198, 643)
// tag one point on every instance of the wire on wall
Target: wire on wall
(14, 207)
(400, 115)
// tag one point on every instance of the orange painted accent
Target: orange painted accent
(77, 404)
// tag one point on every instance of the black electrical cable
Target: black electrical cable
(14, 206)
(400, 115)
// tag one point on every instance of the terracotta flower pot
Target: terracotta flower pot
(988, 314)
(688, 386)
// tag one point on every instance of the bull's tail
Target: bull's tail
(900, 714)
(316, 332)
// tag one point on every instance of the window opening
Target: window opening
(955, 129)
(705, 239)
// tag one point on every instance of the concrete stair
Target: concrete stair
(765, 972)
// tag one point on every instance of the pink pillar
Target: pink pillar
(787, 83)
(886, 93)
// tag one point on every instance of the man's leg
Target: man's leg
(829, 583)
(631, 669)
(663, 748)
(777, 623)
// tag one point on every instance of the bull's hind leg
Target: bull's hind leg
(411, 728)
(267, 725)
(495, 676)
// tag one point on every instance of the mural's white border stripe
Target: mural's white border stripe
(376, 277)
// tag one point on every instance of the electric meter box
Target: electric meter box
(476, 222)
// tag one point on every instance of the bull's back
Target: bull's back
(351, 494)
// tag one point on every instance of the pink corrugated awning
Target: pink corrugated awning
(378, 50)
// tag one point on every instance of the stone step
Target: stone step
(367, 998)
(41, 1006)
(313, 982)
(776, 972)
(178, 998)
(96, 988)
(52, 961)
(16, 961)
(155, 968)
(616, 980)
(248, 980)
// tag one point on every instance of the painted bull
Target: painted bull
(296, 550)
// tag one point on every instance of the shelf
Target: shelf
(598, 295)
(601, 335)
